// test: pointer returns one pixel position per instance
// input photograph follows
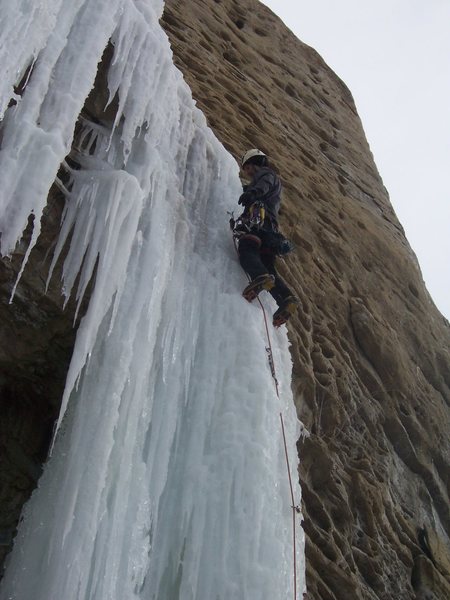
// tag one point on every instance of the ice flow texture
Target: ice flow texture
(168, 479)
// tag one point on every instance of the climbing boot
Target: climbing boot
(260, 283)
(286, 310)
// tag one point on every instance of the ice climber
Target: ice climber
(259, 239)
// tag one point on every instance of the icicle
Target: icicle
(25, 29)
(38, 131)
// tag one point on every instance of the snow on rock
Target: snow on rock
(168, 477)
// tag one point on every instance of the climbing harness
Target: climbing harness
(252, 218)
(295, 508)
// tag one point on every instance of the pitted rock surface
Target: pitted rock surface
(370, 350)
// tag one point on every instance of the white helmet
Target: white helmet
(250, 154)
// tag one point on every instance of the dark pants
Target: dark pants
(257, 259)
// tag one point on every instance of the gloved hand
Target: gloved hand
(247, 198)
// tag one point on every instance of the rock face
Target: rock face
(370, 350)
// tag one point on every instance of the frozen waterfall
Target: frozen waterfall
(168, 478)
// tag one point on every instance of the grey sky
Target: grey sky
(394, 55)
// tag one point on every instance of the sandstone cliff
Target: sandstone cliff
(370, 350)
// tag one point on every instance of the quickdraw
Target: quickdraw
(255, 214)
(272, 365)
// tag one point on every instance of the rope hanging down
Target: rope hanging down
(295, 509)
